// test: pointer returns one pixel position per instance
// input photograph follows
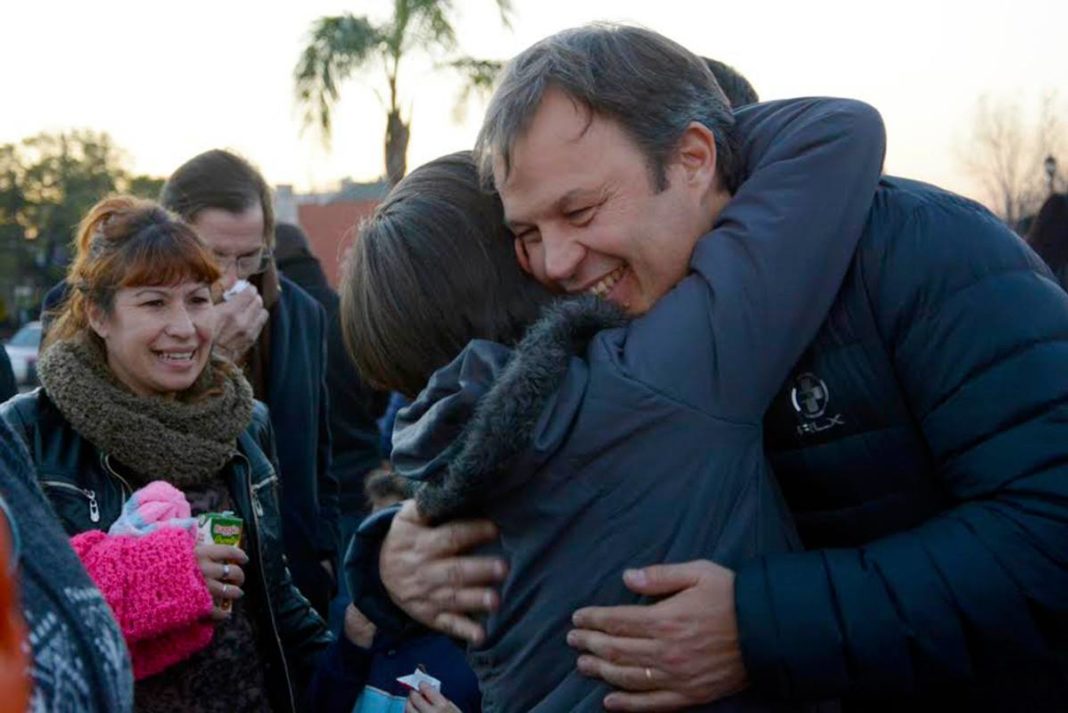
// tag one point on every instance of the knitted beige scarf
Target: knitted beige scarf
(184, 440)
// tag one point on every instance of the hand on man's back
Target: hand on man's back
(681, 651)
(427, 575)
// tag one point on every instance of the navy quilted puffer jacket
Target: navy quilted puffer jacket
(922, 442)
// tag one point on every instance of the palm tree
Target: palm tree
(340, 46)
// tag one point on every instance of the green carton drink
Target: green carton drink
(220, 528)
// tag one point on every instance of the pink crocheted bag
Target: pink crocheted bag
(156, 590)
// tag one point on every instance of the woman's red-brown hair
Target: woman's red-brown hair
(127, 242)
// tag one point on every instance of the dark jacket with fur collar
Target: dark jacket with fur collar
(587, 470)
(464, 436)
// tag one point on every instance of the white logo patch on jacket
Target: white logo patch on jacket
(810, 398)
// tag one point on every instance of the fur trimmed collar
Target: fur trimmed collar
(502, 425)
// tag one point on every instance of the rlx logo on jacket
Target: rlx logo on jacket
(810, 398)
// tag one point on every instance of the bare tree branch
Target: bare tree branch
(1006, 154)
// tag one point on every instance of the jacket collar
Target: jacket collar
(489, 419)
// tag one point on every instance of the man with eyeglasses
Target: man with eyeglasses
(243, 316)
(277, 333)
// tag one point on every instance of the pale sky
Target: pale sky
(168, 80)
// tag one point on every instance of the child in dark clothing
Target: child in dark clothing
(359, 673)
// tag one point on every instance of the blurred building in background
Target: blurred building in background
(329, 218)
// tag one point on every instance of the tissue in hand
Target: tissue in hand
(238, 287)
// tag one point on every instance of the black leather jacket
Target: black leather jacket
(87, 491)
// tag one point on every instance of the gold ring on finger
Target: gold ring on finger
(225, 589)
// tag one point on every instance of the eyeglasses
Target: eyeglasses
(245, 265)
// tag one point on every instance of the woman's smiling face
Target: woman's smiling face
(158, 338)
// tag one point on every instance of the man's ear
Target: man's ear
(98, 321)
(696, 154)
(522, 256)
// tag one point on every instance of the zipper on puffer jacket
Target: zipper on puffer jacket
(90, 495)
(257, 513)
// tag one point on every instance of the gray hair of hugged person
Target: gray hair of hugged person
(652, 86)
(433, 268)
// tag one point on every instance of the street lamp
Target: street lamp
(1051, 171)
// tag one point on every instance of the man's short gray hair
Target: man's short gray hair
(652, 86)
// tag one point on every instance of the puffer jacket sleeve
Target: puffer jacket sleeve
(978, 332)
(763, 280)
(363, 576)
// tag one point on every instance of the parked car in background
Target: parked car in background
(22, 351)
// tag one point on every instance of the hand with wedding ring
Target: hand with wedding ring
(221, 566)
(678, 652)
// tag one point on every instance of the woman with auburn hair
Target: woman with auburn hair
(132, 393)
